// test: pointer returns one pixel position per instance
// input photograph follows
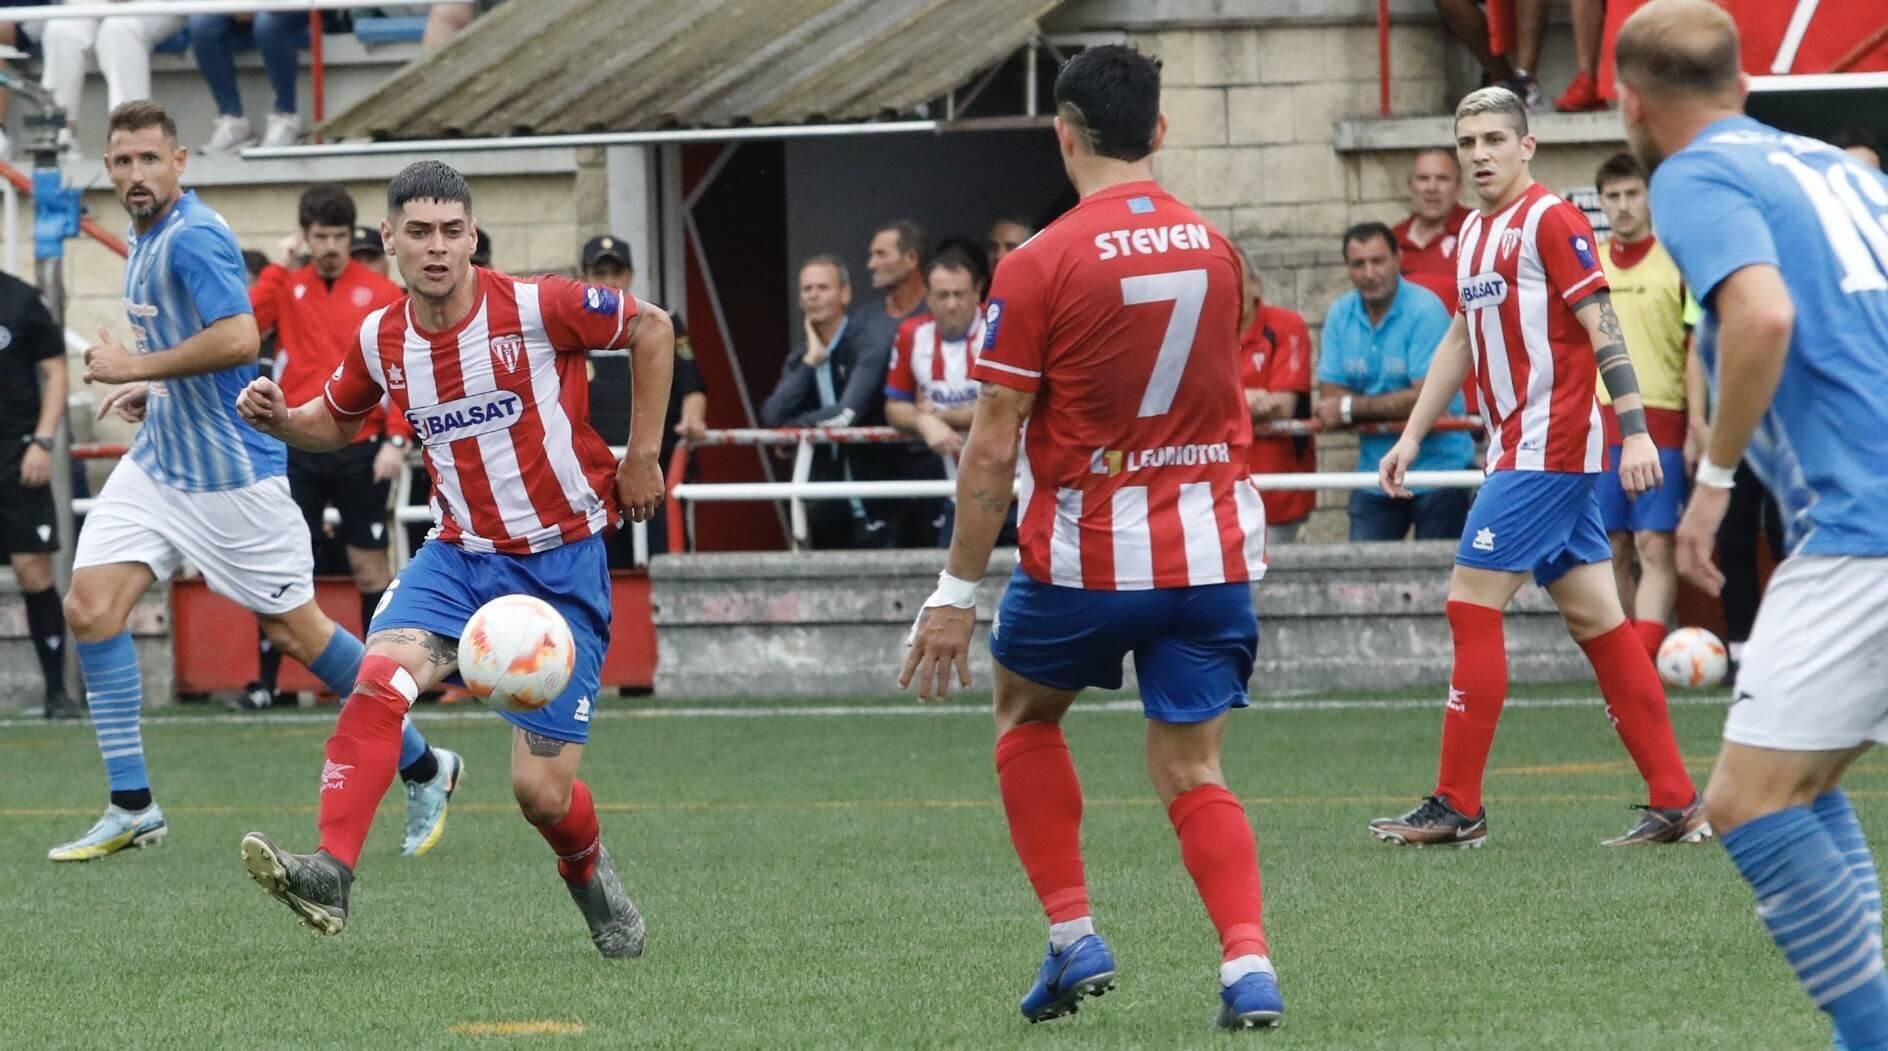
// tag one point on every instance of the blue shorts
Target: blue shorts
(1193, 647)
(445, 584)
(1544, 522)
(1657, 511)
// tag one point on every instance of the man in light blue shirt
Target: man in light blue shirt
(1784, 239)
(1376, 346)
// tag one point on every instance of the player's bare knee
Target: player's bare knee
(1655, 549)
(541, 800)
(372, 572)
(90, 616)
(33, 571)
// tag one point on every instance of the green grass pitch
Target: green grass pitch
(847, 881)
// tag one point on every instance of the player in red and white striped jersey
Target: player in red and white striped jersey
(490, 371)
(1536, 325)
(1111, 352)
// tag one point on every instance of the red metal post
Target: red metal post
(678, 466)
(318, 69)
(1383, 58)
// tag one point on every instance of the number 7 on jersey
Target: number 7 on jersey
(1186, 290)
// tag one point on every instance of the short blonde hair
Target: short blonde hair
(1680, 47)
(1497, 100)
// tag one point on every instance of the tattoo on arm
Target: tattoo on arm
(440, 650)
(543, 747)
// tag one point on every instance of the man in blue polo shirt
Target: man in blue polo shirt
(1377, 342)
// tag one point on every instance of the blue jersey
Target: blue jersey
(1745, 194)
(185, 274)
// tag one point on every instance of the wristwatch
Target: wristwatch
(398, 441)
(40, 440)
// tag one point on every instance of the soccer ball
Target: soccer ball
(516, 652)
(1692, 657)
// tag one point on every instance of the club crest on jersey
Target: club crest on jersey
(361, 296)
(463, 418)
(1510, 240)
(396, 378)
(1483, 290)
(508, 349)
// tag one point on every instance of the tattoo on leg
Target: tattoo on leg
(440, 650)
(543, 747)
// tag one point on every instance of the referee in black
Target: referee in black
(32, 409)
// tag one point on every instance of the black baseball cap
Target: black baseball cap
(598, 249)
(366, 239)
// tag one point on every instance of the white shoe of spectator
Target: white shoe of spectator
(285, 129)
(232, 134)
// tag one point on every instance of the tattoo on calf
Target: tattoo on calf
(543, 747)
(440, 650)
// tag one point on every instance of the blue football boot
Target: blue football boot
(1083, 969)
(1252, 1002)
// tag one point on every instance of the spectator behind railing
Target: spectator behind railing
(1426, 238)
(895, 259)
(1508, 47)
(1589, 30)
(367, 249)
(831, 378)
(15, 35)
(928, 390)
(1275, 368)
(1378, 339)
(122, 45)
(1007, 235)
(281, 36)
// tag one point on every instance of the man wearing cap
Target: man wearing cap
(607, 261)
(367, 249)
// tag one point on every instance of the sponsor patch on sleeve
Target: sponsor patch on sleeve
(992, 317)
(605, 301)
(1583, 250)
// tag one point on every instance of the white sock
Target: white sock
(1068, 932)
(1234, 969)
(1735, 650)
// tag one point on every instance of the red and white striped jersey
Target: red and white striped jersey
(500, 406)
(1123, 317)
(1518, 274)
(937, 368)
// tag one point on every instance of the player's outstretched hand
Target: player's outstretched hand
(128, 402)
(939, 642)
(1394, 467)
(1639, 470)
(263, 405)
(639, 486)
(1698, 537)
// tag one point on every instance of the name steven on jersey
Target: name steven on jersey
(465, 417)
(1116, 461)
(1152, 240)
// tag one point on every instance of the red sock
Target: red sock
(575, 837)
(1477, 689)
(362, 756)
(1217, 846)
(1043, 801)
(1635, 702)
(1650, 632)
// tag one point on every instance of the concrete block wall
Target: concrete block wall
(1335, 617)
(22, 686)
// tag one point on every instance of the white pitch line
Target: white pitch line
(758, 711)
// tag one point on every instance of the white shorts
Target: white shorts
(250, 543)
(1815, 672)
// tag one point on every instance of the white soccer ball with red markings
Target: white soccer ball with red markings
(1692, 657)
(516, 652)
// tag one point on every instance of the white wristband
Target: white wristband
(953, 591)
(1711, 476)
(1343, 408)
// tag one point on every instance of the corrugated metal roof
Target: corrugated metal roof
(548, 66)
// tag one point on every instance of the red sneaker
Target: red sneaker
(1581, 96)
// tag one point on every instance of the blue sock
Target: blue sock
(114, 687)
(1816, 914)
(1838, 819)
(339, 666)
(340, 663)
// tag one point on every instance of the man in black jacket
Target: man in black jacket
(832, 378)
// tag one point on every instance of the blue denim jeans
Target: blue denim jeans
(280, 34)
(1437, 515)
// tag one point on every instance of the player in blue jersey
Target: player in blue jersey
(198, 485)
(1784, 240)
